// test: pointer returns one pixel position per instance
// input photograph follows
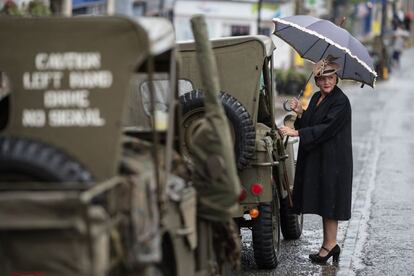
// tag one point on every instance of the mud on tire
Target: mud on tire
(241, 122)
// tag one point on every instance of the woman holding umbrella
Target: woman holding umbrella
(323, 179)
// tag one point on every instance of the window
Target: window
(237, 30)
(161, 92)
(264, 31)
(139, 9)
(184, 86)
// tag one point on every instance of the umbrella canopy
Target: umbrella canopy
(315, 38)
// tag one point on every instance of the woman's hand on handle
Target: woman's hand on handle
(296, 106)
(287, 131)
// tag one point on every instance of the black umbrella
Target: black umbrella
(315, 38)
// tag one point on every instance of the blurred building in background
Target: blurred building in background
(89, 7)
(162, 8)
(234, 18)
(229, 18)
(366, 19)
(98, 7)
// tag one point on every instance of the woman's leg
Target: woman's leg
(330, 229)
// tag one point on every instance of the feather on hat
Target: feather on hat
(326, 67)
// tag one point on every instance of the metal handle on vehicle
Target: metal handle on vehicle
(266, 164)
(283, 157)
(185, 231)
(286, 108)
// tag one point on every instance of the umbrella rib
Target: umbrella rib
(284, 28)
(311, 47)
(343, 69)
(325, 51)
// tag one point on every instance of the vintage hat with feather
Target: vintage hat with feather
(326, 67)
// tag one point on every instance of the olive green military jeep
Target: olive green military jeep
(91, 177)
(265, 162)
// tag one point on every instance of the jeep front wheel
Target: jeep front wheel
(266, 235)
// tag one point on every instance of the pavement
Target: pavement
(380, 236)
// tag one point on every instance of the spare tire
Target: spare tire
(241, 123)
(27, 160)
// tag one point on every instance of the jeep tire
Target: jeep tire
(27, 160)
(290, 223)
(266, 235)
(240, 120)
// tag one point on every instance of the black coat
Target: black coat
(323, 179)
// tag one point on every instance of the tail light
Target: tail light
(254, 213)
(256, 189)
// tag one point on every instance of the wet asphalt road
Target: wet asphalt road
(379, 238)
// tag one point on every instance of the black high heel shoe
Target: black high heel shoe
(334, 252)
